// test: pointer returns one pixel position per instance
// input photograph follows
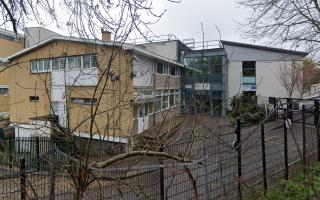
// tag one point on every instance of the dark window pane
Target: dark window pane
(94, 61)
(4, 90)
(55, 64)
(173, 71)
(160, 68)
(71, 63)
(34, 98)
(86, 61)
(34, 66)
(46, 65)
(62, 63)
(248, 68)
(77, 62)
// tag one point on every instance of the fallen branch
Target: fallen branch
(140, 153)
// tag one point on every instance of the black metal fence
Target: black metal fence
(224, 161)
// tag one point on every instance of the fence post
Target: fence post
(162, 195)
(289, 108)
(10, 152)
(316, 112)
(285, 145)
(238, 132)
(316, 122)
(52, 171)
(275, 107)
(23, 190)
(38, 153)
(205, 168)
(264, 168)
(304, 138)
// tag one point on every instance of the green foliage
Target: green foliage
(299, 188)
(246, 109)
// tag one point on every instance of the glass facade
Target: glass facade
(204, 82)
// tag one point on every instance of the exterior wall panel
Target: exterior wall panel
(143, 70)
(167, 82)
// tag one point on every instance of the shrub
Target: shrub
(246, 109)
(299, 188)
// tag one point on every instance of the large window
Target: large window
(205, 65)
(166, 69)
(163, 100)
(248, 72)
(74, 62)
(249, 68)
(142, 110)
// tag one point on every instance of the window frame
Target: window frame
(4, 90)
(38, 65)
(83, 101)
(246, 68)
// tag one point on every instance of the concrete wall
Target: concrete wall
(167, 82)
(267, 80)
(268, 65)
(34, 35)
(167, 49)
(238, 53)
(143, 70)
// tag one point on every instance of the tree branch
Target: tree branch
(140, 153)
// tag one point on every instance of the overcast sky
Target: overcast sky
(184, 19)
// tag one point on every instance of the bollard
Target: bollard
(263, 150)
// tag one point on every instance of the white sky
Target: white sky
(184, 19)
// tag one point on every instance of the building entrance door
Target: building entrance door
(143, 118)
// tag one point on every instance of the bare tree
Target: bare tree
(290, 76)
(85, 19)
(291, 22)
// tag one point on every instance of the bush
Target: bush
(246, 109)
(299, 188)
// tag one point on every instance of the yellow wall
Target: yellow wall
(4, 99)
(115, 98)
(4, 103)
(9, 47)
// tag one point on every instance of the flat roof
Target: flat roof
(302, 53)
(92, 41)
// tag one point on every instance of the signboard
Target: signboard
(202, 86)
(249, 88)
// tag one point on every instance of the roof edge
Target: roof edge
(302, 53)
